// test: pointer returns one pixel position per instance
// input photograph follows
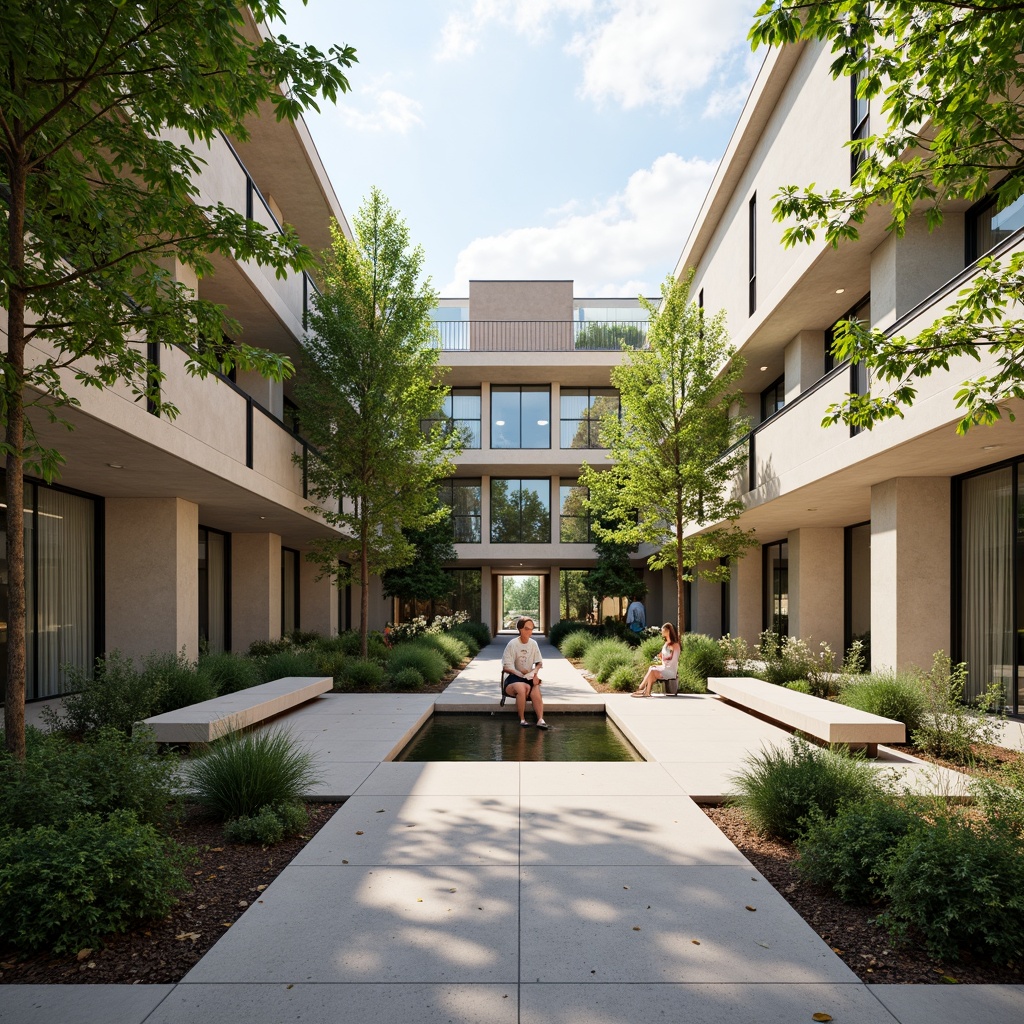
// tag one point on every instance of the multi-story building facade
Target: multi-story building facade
(529, 367)
(908, 534)
(163, 533)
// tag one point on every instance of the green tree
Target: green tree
(370, 380)
(98, 191)
(951, 84)
(424, 578)
(672, 448)
(613, 574)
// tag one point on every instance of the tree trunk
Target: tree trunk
(14, 695)
(364, 579)
(680, 583)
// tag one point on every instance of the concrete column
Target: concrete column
(554, 596)
(485, 416)
(745, 598)
(706, 616)
(486, 597)
(318, 600)
(255, 588)
(816, 594)
(910, 571)
(152, 563)
(804, 362)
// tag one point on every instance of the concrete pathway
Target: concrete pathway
(507, 893)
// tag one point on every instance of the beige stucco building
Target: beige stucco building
(907, 535)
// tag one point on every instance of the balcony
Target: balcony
(540, 335)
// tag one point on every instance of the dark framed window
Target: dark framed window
(520, 416)
(344, 604)
(860, 122)
(582, 410)
(573, 516)
(460, 412)
(752, 254)
(289, 590)
(857, 587)
(214, 589)
(520, 511)
(860, 311)
(465, 597)
(986, 225)
(775, 610)
(577, 602)
(773, 398)
(290, 416)
(462, 496)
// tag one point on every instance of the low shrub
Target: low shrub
(649, 649)
(786, 658)
(1002, 799)
(229, 672)
(304, 637)
(692, 684)
(625, 677)
(330, 663)
(269, 825)
(848, 852)
(451, 648)
(266, 648)
(779, 787)
(896, 695)
(116, 694)
(800, 685)
(64, 888)
(329, 645)
(736, 655)
(177, 680)
(349, 643)
(407, 679)
(360, 674)
(479, 631)
(574, 645)
(61, 778)
(422, 657)
(561, 629)
(468, 638)
(604, 656)
(949, 728)
(958, 885)
(700, 656)
(243, 772)
(286, 663)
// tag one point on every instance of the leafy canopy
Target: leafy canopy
(672, 448)
(949, 83)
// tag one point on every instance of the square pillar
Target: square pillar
(152, 563)
(910, 571)
(318, 600)
(706, 614)
(746, 611)
(554, 596)
(804, 362)
(486, 603)
(816, 586)
(255, 588)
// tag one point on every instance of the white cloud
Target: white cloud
(659, 51)
(461, 33)
(385, 111)
(624, 246)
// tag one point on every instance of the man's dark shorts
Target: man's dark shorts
(511, 678)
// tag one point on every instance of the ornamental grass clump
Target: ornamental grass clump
(896, 695)
(422, 657)
(575, 644)
(700, 657)
(358, 674)
(780, 787)
(625, 678)
(229, 672)
(177, 680)
(605, 656)
(287, 663)
(451, 648)
(243, 772)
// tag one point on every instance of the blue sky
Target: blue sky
(535, 138)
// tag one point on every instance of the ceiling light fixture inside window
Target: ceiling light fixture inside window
(763, 368)
(839, 291)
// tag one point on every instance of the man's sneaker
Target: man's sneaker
(524, 723)
(542, 724)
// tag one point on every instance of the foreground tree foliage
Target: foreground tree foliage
(951, 84)
(673, 453)
(370, 381)
(105, 108)
(424, 578)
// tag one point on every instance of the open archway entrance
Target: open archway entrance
(521, 595)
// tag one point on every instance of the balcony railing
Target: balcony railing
(540, 335)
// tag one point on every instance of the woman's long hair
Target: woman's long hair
(673, 636)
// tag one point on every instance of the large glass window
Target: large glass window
(520, 511)
(752, 255)
(573, 518)
(987, 225)
(858, 588)
(520, 416)
(460, 412)
(582, 410)
(773, 398)
(60, 587)
(213, 589)
(289, 590)
(776, 587)
(860, 122)
(462, 496)
(464, 597)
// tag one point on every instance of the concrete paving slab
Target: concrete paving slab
(622, 778)
(704, 782)
(479, 778)
(623, 830)
(405, 830)
(340, 1004)
(339, 779)
(945, 1004)
(80, 1004)
(614, 924)
(700, 1004)
(349, 924)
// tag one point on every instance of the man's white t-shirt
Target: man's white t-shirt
(519, 657)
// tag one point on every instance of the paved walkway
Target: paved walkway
(506, 892)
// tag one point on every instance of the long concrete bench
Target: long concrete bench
(211, 719)
(823, 719)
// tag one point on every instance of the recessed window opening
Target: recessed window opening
(520, 416)
(582, 412)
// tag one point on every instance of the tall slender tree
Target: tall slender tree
(370, 381)
(105, 108)
(673, 460)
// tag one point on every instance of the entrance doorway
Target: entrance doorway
(519, 595)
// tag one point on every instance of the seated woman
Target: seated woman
(669, 666)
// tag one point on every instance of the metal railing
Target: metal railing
(540, 335)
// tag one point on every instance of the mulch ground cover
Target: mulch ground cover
(226, 880)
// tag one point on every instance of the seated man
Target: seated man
(522, 662)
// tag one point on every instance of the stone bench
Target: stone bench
(211, 719)
(823, 719)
